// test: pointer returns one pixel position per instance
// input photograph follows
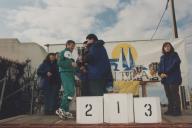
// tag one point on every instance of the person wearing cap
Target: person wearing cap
(99, 73)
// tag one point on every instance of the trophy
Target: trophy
(153, 71)
(81, 53)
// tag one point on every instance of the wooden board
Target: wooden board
(42, 121)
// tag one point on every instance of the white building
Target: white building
(13, 49)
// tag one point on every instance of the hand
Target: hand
(82, 68)
(163, 75)
(80, 58)
(74, 64)
(49, 74)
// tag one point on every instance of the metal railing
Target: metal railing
(2, 91)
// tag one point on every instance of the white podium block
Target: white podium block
(118, 108)
(89, 110)
(147, 110)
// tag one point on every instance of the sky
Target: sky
(56, 21)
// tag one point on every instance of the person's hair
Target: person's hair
(85, 42)
(56, 53)
(92, 36)
(47, 58)
(165, 44)
(70, 42)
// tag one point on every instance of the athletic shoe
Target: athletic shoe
(60, 113)
(68, 115)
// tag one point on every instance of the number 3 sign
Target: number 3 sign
(147, 110)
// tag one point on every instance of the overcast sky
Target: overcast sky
(55, 21)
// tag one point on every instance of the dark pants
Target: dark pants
(97, 87)
(84, 88)
(172, 93)
(50, 99)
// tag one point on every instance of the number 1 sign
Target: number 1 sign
(118, 108)
(89, 110)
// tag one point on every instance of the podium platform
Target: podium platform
(42, 121)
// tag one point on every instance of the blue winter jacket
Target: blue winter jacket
(53, 80)
(98, 62)
(170, 65)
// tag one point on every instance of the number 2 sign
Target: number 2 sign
(89, 110)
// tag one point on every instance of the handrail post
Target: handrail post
(2, 93)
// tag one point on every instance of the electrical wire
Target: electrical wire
(160, 20)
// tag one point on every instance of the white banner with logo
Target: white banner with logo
(139, 59)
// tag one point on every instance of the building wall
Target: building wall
(16, 51)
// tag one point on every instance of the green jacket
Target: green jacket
(65, 61)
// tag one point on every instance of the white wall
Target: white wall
(16, 51)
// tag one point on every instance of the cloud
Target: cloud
(138, 21)
(57, 21)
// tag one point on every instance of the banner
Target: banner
(139, 60)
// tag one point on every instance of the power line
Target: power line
(160, 20)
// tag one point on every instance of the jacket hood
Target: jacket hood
(100, 42)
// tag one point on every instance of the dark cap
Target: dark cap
(92, 36)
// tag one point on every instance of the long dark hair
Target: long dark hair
(47, 58)
(171, 50)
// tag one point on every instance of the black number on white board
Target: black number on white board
(118, 108)
(149, 111)
(89, 108)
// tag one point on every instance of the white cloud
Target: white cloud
(59, 20)
(137, 21)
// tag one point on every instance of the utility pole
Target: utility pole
(174, 19)
(182, 87)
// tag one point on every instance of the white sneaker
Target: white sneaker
(60, 113)
(68, 115)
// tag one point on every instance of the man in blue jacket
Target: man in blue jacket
(99, 73)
